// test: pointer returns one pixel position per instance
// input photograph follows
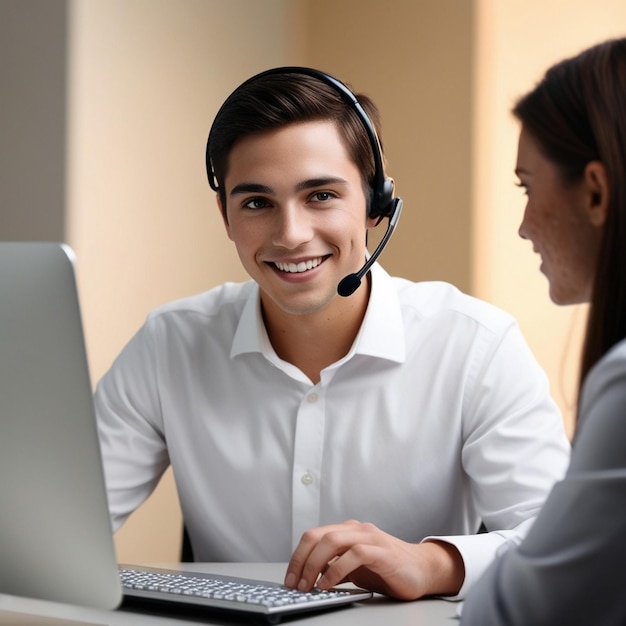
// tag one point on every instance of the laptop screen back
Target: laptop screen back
(55, 534)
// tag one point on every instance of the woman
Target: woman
(571, 568)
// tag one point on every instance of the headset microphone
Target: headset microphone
(348, 285)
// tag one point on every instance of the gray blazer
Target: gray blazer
(571, 568)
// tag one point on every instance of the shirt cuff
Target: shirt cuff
(477, 552)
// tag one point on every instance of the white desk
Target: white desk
(379, 611)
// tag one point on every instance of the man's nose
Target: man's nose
(292, 226)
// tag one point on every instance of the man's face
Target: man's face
(296, 211)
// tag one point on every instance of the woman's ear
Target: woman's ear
(597, 183)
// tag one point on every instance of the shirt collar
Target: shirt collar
(250, 335)
(381, 334)
(382, 331)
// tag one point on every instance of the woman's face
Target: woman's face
(560, 222)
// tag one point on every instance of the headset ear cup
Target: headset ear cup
(381, 203)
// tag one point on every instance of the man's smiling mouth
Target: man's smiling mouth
(297, 268)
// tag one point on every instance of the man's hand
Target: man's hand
(372, 559)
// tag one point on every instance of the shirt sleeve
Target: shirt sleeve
(131, 434)
(514, 450)
(571, 567)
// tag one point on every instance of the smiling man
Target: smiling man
(289, 412)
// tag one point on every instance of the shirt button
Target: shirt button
(312, 397)
(306, 479)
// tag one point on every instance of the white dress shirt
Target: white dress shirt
(438, 418)
(572, 566)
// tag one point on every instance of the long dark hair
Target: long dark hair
(577, 114)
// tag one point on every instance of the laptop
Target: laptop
(56, 539)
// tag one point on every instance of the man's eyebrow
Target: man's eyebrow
(320, 182)
(250, 188)
(310, 183)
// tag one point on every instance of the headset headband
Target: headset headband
(382, 202)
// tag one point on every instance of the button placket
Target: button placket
(307, 461)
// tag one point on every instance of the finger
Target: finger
(301, 554)
(316, 549)
(331, 547)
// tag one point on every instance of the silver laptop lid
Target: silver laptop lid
(55, 535)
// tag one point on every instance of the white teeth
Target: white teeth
(296, 268)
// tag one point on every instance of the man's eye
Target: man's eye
(256, 203)
(322, 196)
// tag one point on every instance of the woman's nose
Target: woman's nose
(521, 231)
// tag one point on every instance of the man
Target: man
(289, 412)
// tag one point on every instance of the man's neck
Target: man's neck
(315, 341)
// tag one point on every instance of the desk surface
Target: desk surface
(380, 610)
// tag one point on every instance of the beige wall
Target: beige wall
(415, 59)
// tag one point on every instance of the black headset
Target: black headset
(383, 204)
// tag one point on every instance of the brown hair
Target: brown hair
(577, 114)
(275, 100)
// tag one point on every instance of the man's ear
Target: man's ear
(222, 211)
(597, 183)
(371, 222)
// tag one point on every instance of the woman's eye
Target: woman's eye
(522, 185)
(256, 203)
